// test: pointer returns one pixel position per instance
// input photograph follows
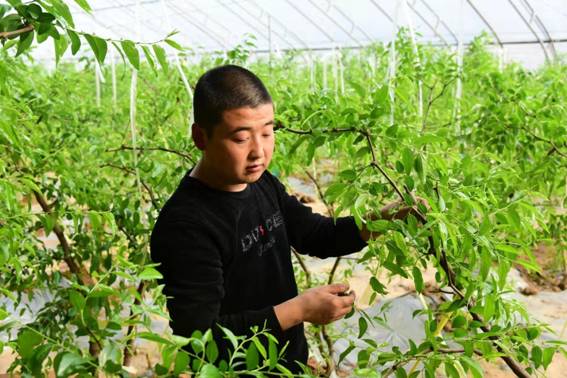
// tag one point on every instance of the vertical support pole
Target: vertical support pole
(459, 57)
(417, 62)
(324, 62)
(97, 83)
(270, 42)
(335, 76)
(392, 66)
(341, 73)
(113, 75)
(133, 95)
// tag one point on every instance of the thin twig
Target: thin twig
(303, 266)
(130, 171)
(127, 349)
(182, 154)
(432, 99)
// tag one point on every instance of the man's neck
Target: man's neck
(208, 176)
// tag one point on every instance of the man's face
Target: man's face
(240, 147)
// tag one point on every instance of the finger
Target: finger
(342, 313)
(347, 301)
(336, 288)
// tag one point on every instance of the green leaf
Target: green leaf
(209, 371)
(377, 286)
(450, 370)
(60, 45)
(27, 341)
(252, 358)
(212, 351)
(132, 53)
(25, 42)
(459, 321)
(272, 353)
(181, 362)
(34, 10)
(150, 273)
(75, 41)
(161, 57)
(362, 327)
(85, 5)
(407, 159)
(537, 356)
(345, 353)
(67, 363)
(111, 357)
(62, 10)
(101, 291)
(77, 300)
(153, 337)
(149, 58)
(98, 45)
(229, 336)
(174, 44)
(473, 366)
(547, 356)
(485, 263)
(417, 279)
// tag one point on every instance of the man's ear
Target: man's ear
(199, 136)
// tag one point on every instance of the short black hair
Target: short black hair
(224, 88)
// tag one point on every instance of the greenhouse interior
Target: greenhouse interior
(284, 188)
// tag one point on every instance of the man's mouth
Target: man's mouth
(254, 168)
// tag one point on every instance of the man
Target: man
(223, 238)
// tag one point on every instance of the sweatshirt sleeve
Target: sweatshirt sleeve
(192, 272)
(317, 235)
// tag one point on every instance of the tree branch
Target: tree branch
(75, 268)
(15, 33)
(182, 154)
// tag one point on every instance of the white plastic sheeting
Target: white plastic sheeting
(531, 29)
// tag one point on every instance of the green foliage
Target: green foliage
(493, 173)
(52, 19)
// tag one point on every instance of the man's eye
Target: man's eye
(267, 135)
(240, 140)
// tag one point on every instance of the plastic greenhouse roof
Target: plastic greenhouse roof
(527, 30)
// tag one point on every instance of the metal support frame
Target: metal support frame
(429, 25)
(311, 21)
(277, 21)
(243, 19)
(353, 24)
(439, 20)
(533, 17)
(214, 36)
(129, 13)
(379, 7)
(266, 25)
(485, 21)
(529, 25)
(338, 24)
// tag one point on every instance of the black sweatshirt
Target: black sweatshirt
(225, 257)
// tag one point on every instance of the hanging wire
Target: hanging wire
(459, 57)
(133, 95)
(417, 61)
(392, 64)
(113, 76)
(181, 72)
(97, 83)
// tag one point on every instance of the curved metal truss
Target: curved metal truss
(330, 24)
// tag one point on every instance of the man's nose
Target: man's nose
(257, 148)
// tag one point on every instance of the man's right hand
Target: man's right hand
(318, 305)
